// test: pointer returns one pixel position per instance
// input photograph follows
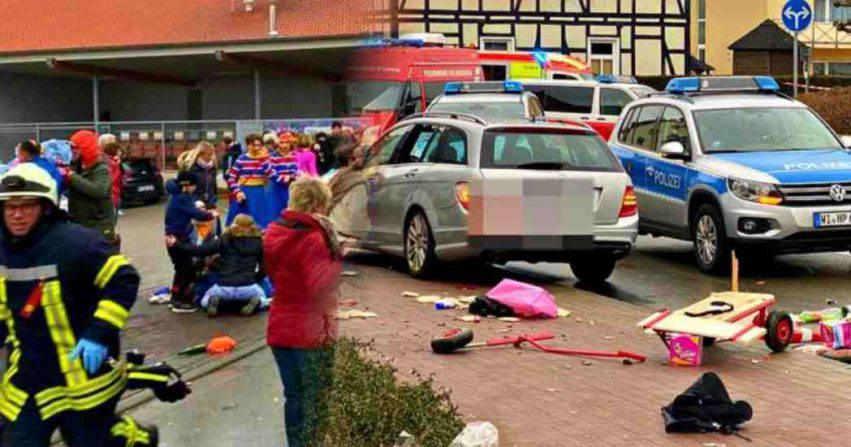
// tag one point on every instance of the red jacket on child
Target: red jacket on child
(305, 274)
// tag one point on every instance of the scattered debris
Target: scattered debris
(428, 299)
(230, 407)
(446, 303)
(551, 390)
(706, 406)
(354, 313)
(221, 345)
(348, 303)
(350, 273)
(756, 361)
(526, 300)
(609, 337)
(578, 320)
(409, 294)
(760, 283)
(563, 313)
(713, 444)
(469, 318)
(477, 434)
(508, 319)
(467, 299)
(405, 439)
(587, 363)
(592, 323)
(813, 348)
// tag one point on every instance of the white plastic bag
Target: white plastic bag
(477, 434)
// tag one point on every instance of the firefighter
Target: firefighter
(64, 297)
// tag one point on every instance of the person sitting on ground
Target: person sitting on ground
(178, 228)
(239, 268)
(303, 258)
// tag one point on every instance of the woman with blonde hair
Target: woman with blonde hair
(239, 268)
(201, 161)
(303, 257)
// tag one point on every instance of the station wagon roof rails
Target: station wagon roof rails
(722, 84)
(452, 115)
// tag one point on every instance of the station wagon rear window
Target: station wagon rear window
(524, 149)
(491, 110)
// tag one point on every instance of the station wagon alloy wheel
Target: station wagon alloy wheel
(419, 248)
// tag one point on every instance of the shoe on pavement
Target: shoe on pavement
(213, 307)
(182, 307)
(249, 308)
(159, 299)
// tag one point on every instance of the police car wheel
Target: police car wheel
(711, 249)
(419, 246)
(594, 269)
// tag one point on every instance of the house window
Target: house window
(603, 54)
(497, 43)
(819, 68)
(826, 11)
(832, 68)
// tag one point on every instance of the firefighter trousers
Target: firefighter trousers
(89, 428)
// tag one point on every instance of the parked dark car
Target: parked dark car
(142, 181)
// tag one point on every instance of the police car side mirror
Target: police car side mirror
(846, 141)
(673, 149)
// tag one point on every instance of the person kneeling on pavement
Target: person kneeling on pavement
(239, 267)
(178, 228)
(65, 297)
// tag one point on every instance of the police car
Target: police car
(491, 101)
(729, 162)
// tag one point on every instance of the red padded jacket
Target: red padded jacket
(306, 277)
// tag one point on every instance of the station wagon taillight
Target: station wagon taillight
(462, 195)
(629, 206)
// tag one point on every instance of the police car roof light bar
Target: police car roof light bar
(723, 84)
(679, 86)
(455, 88)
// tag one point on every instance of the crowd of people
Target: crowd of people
(277, 250)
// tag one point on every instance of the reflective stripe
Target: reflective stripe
(147, 376)
(112, 313)
(68, 403)
(61, 334)
(46, 396)
(128, 429)
(12, 398)
(109, 268)
(41, 272)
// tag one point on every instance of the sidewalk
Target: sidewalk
(543, 399)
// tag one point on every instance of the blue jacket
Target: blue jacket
(180, 212)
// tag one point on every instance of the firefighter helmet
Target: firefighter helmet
(28, 180)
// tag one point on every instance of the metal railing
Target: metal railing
(163, 141)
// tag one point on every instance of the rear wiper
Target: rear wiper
(544, 165)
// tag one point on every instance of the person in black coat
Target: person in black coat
(232, 151)
(239, 268)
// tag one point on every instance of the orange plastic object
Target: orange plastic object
(221, 345)
(204, 228)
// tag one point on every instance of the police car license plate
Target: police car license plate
(836, 219)
(146, 188)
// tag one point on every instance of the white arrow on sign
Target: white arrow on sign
(797, 16)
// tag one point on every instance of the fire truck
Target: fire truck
(519, 65)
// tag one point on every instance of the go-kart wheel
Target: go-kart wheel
(708, 341)
(452, 340)
(780, 330)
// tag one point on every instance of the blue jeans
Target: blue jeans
(242, 294)
(307, 376)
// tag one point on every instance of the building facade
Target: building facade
(719, 23)
(628, 37)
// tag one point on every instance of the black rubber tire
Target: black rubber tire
(720, 263)
(780, 329)
(594, 269)
(452, 341)
(708, 341)
(430, 259)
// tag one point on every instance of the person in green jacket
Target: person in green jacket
(90, 187)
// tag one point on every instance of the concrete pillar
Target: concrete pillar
(96, 101)
(258, 101)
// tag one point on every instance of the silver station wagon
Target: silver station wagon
(450, 187)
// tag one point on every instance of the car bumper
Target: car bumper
(790, 229)
(618, 238)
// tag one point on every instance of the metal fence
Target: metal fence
(163, 141)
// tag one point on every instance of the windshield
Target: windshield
(507, 149)
(489, 111)
(762, 129)
(372, 95)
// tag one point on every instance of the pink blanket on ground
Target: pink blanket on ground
(525, 299)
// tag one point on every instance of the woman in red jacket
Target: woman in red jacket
(303, 258)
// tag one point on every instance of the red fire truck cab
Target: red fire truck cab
(393, 78)
(520, 65)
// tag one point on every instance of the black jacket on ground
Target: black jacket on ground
(240, 260)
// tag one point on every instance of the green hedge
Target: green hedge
(369, 407)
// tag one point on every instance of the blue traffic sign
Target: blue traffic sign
(797, 15)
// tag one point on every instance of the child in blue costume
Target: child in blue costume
(283, 170)
(247, 180)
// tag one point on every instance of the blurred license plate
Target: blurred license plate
(837, 219)
(146, 188)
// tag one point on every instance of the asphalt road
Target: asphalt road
(662, 270)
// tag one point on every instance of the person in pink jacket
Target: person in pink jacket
(305, 155)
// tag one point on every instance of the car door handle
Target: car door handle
(411, 173)
(585, 118)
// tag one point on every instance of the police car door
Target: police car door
(666, 177)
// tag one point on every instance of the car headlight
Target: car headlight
(757, 192)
